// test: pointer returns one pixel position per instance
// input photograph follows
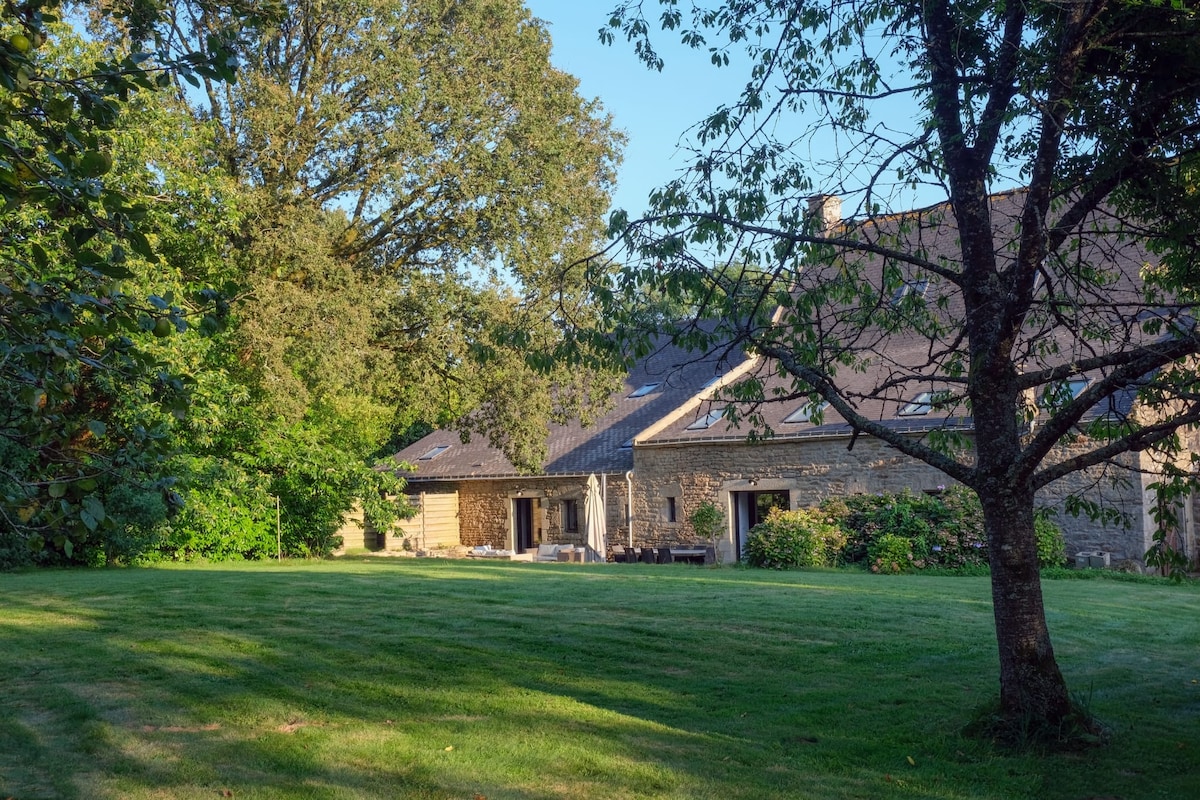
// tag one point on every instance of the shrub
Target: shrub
(1051, 547)
(892, 553)
(944, 530)
(787, 539)
(907, 530)
(708, 522)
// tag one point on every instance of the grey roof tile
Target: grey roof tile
(573, 449)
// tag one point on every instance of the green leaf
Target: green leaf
(141, 245)
(94, 507)
(111, 270)
(97, 428)
(40, 257)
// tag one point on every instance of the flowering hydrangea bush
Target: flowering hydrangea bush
(943, 530)
(801, 538)
(892, 553)
(888, 533)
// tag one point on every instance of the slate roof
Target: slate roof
(573, 449)
(907, 354)
(681, 398)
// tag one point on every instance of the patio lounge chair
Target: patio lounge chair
(548, 552)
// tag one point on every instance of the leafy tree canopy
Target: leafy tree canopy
(421, 183)
(75, 338)
(1086, 114)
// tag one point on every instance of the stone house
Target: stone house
(667, 446)
(497, 505)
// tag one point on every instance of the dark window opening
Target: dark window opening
(570, 516)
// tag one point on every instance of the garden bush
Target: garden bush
(891, 533)
(1052, 548)
(892, 553)
(801, 538)
(943, 530)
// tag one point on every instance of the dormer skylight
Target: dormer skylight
(1061, 393)
(920, 405)
(643, 390)
(433, 452)
(805, 412)
(916, 287)
(706, 421)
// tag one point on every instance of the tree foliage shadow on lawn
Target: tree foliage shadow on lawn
(352, 680)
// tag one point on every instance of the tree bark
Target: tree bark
(1032, 690)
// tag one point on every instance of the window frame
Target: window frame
(707, 421)
(1058, 388)
(569, 509)
(919, 287)
(921, 405)
(643, 390)
(808, 409)
(434, 452)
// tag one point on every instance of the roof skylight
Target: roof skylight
(805, 412)
(706, 421)
(915, 287)
(1061, 393)
(921, 404)
(433, 452)
(643, 390)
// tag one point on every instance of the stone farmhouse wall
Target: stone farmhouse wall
(485, 508)
(1118, 486)
(811, 470)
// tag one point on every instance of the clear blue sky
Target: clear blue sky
(657, 109)
(653, 109)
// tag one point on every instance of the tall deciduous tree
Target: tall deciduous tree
(396, 151)
(1093, 107)
(73, 340)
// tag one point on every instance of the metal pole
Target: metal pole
(629, 504)
(278, 533)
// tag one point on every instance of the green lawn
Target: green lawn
(383, 678)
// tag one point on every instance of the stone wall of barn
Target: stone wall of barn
(485, 508)
(676, 479)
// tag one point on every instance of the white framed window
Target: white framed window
(805, 412)
(706, 421)
(914, 287)
(919, 406)
(643, 390)
(433, 452)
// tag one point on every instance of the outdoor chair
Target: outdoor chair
(547, 552)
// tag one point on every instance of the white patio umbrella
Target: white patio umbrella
(593, 521)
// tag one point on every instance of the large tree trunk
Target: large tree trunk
(1033, 693)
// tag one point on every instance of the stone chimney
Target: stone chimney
(826, 212)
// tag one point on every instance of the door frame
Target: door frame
(523, 511)
(727, 497)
